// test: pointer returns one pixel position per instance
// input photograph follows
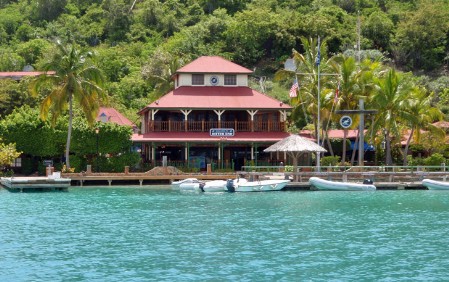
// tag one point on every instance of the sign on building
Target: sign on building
(218, 132)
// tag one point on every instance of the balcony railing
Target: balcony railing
(205, 126)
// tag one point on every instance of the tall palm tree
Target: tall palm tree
(354, 84)
(392, 96)
(75, 78)
(422, 115)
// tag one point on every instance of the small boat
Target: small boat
(435, 185)
(176, 184)
(326, 185)
(213, 186)
(242, 185)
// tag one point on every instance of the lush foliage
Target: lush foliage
(39, 140)
(8, 153)
(139, 44)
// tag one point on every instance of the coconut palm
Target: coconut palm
(75, 78)
(421, 116)
(307, 73)
(392, 95)
(355, 82)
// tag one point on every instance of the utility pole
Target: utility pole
(362, 112)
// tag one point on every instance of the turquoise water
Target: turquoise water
(138, 234)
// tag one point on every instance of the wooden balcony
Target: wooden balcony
(205, 126)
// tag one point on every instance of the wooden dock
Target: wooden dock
(382, 180)
(29, 184)
(109, 179)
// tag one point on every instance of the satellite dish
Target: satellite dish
(290, 65)
(28, 68)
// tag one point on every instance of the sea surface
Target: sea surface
(148, 234)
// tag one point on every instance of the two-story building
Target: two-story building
(212, 117)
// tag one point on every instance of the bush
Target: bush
(330, 160)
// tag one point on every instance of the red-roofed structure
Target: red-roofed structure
(211, 117)
(18, 75)
(112, 115)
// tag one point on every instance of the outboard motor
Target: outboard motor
(201, 185)
(230, 185)
(367, 181)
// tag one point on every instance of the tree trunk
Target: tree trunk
(406, 147)
(388, 160)
(343, 157)
(69, 133)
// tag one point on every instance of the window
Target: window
(17, 163)
(197, 79)
(230, 79)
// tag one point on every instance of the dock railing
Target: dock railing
(348, 173)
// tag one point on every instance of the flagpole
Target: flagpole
(318, 105)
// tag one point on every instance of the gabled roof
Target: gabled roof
(213, 64)
(112, 115)
(216, 97)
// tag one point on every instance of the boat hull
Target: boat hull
(435, 185)
(214, 186)
(176, 185)
(260, 186)
(326, 185)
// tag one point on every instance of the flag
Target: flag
(336, 92)
(318, 58)
(293, 89)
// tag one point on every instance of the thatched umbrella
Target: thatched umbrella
(295, 145)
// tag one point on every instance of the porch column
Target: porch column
(252, 151)
(219, 113)
(186, 153)
(186, 114)
(144, 123)
(252, 113)
(219, 163)
(153, 113)
(283, 118)
(153, 153)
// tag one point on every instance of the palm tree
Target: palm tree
(354, 84)
(75, 78)
(421, 116)
(307, 73)
(392, 96)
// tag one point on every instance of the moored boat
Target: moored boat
(256, 186)
(326, 185)
(435, 185)
(176, 184)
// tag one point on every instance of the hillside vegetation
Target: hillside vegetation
(140, 43)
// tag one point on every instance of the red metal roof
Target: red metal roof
(168, 137)
(213, 64)
(217, 97)
(19, 74)
(334, 133)
(112, 115)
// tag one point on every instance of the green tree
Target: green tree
(421, 38)
(75, 79)
(378, 28)
(421, 116)
(391, 98)
(8, 153)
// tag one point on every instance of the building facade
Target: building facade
(212, 117)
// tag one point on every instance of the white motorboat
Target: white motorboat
(326, 185)
(176, 184)
(435, 185)
(242, 185)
